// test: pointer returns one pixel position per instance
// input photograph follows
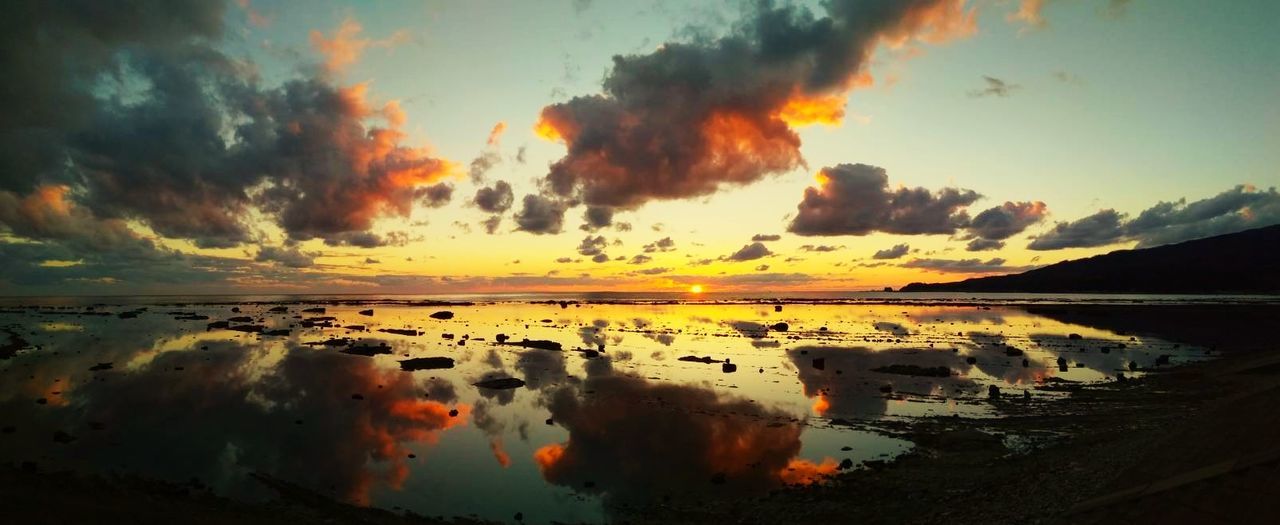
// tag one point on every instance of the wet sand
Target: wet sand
(1091, 452)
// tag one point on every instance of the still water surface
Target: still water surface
(613, 418)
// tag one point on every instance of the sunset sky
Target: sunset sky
(151, 146)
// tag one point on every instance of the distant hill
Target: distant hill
(1246, 262)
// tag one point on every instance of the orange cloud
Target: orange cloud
(496, 133)
(345, 46)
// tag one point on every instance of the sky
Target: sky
(424, 147)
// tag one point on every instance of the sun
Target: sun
(697, 288)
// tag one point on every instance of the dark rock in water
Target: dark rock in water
(501, 383)
(317, 310)
(365, 312)
(1120, 377)
(442, 314)
(846, 448)
(426, 363)
(235, 309)
(822, 329)
(780, 327)
(217, 325)
(191, 317)
(128, 315)
(355, 327)
(1062, 364)
(971, 360)
(367, 350)
(398, 331)
(1074, 337)
(279, 309)
(888, 389)
(519, 516)
(453, 413)
(501, 338)
(914, 370)
(446, 336)
(1133, 366)
(589, 353)
(329, 342)
(357, 397)
(240, 319)
(1026, 363)
(820, 363)
(551, 421)
(777, 308)
(537, 343)
(1026, 395)
(1105, 349)
(993, 392)
(728, 367)
(277, 332)
(1163, 359)
(42, 401)
(845, 464)
(695, 359)
(63, 437)
(1012, 352)
(100, 366)
(248, 328)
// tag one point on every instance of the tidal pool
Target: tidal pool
(642, 402)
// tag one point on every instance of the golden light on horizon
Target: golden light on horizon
(697, 288)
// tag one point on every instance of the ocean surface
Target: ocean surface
(561, 407)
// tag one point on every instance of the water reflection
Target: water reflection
(613, 418)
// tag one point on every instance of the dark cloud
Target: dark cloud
(760, 237)
(664, 244)
(491, 224)
(481, 165)
(693, 117)
(750, 252)
(435, 195)
(993, 265)
(895, 252)
(200, 145)
(855, 199)
(980, 245)
(653, 271)
(994, 88)
(290, 257)
(592, 245)
(641, 259)
(496, 199)
(597, 217)
(820, 248)
(1004, 221)
(1099, 229)
(540, 215)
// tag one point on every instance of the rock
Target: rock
(971, 360)
(240, 319)
(367, 350)
(399, 331)
(1012, 352)
(550, 421)
(1062, 364)
(777, 308)
(1163, 359)
(442, 314)
(279, 309)
(888, 389)
(820, 363)
(453, 413)
(845, 464)
(100, 366)
(914, 370)
(357, 397)
(780, 327)
(501, 383)
(1026, 363)
(846, 448)
(519, 516)
(695, 359)
(235, 309)
(1133, 366)
(1026, 395)
(1074, 337)
(248, 328)
(993, 392)
(317, 310)
(366, 312)
(426, 363)
(728, 367)
(277, 332)
(501, 338)
(128, 315)
(537, 343)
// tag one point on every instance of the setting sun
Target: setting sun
(697, 288)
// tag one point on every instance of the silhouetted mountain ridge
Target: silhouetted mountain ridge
(1246, 262)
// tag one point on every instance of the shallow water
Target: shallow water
(614, 418)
